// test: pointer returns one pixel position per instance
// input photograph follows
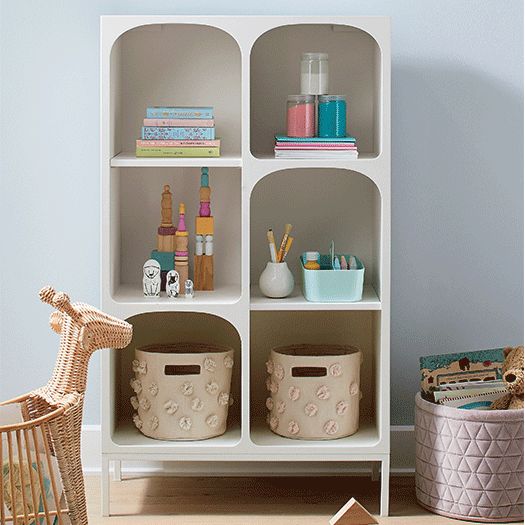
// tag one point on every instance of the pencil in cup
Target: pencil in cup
(284, 240)
(287, 248)
(271, 244)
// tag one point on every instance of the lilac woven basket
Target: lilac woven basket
(469, 463)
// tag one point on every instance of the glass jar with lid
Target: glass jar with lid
(331, 113)
(314, 73)
(300, 116)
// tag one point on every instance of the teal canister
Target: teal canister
(332, 116)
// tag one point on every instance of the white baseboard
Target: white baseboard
(402, 460)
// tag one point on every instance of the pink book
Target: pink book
(178, 143)
(179, 122)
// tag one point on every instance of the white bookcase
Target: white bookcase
(245, 67)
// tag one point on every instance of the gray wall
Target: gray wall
(457, 173)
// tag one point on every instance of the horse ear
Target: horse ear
(47, 294)
(85, 338)
(55, 320)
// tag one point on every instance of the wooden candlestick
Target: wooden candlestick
(181, 246)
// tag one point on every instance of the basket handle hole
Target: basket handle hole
(182, 370)
(309, 371)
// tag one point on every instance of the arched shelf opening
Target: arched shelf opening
(322, 205)
(354, 64)
(136, 195)
(355, 328)
(175, 65)
(172, 327)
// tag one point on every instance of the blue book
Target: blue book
(285, 138)
(169, 133)
(179, 112)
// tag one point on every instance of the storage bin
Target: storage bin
(327, 285)
(469, 463)
(313, 391)
(182, 390)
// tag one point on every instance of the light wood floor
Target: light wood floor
(250, 501)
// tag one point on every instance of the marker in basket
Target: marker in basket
(353, 263)
(344, 264)
(271, 244)
(284, 240)
(337, 264)
(287, 248)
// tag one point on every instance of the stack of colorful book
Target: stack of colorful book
(178, 132)
(315, 147)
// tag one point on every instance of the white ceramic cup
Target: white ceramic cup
(276, 280)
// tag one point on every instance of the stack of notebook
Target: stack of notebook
(178, 132)
(315, 147)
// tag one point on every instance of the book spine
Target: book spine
(179, 122)
(179, 112)
(178, 143)
(177, 152)
(314, 148)
(165, 133)
(284, 138)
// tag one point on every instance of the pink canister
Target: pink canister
(300, 116)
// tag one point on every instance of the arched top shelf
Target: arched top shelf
(322, 205)
(342, 28)
(371, 175)
(159, 26)
(178, 327)
(354, 70)
(175, 64)
(307, 177)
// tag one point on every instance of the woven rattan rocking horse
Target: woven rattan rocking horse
(52, 420)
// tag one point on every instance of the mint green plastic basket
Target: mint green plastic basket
(329, 286)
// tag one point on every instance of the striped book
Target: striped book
(180, 122)
(169, 133)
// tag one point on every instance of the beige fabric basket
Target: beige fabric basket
(314, 391)
(182, 390)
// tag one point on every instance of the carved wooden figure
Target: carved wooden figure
(151, 278)
(166, 206)
(172, 284)
(166, 230)
(188, 289)
(204, 230)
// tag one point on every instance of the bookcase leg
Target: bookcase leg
(385, 485)
(117, 470)
(105, 486)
